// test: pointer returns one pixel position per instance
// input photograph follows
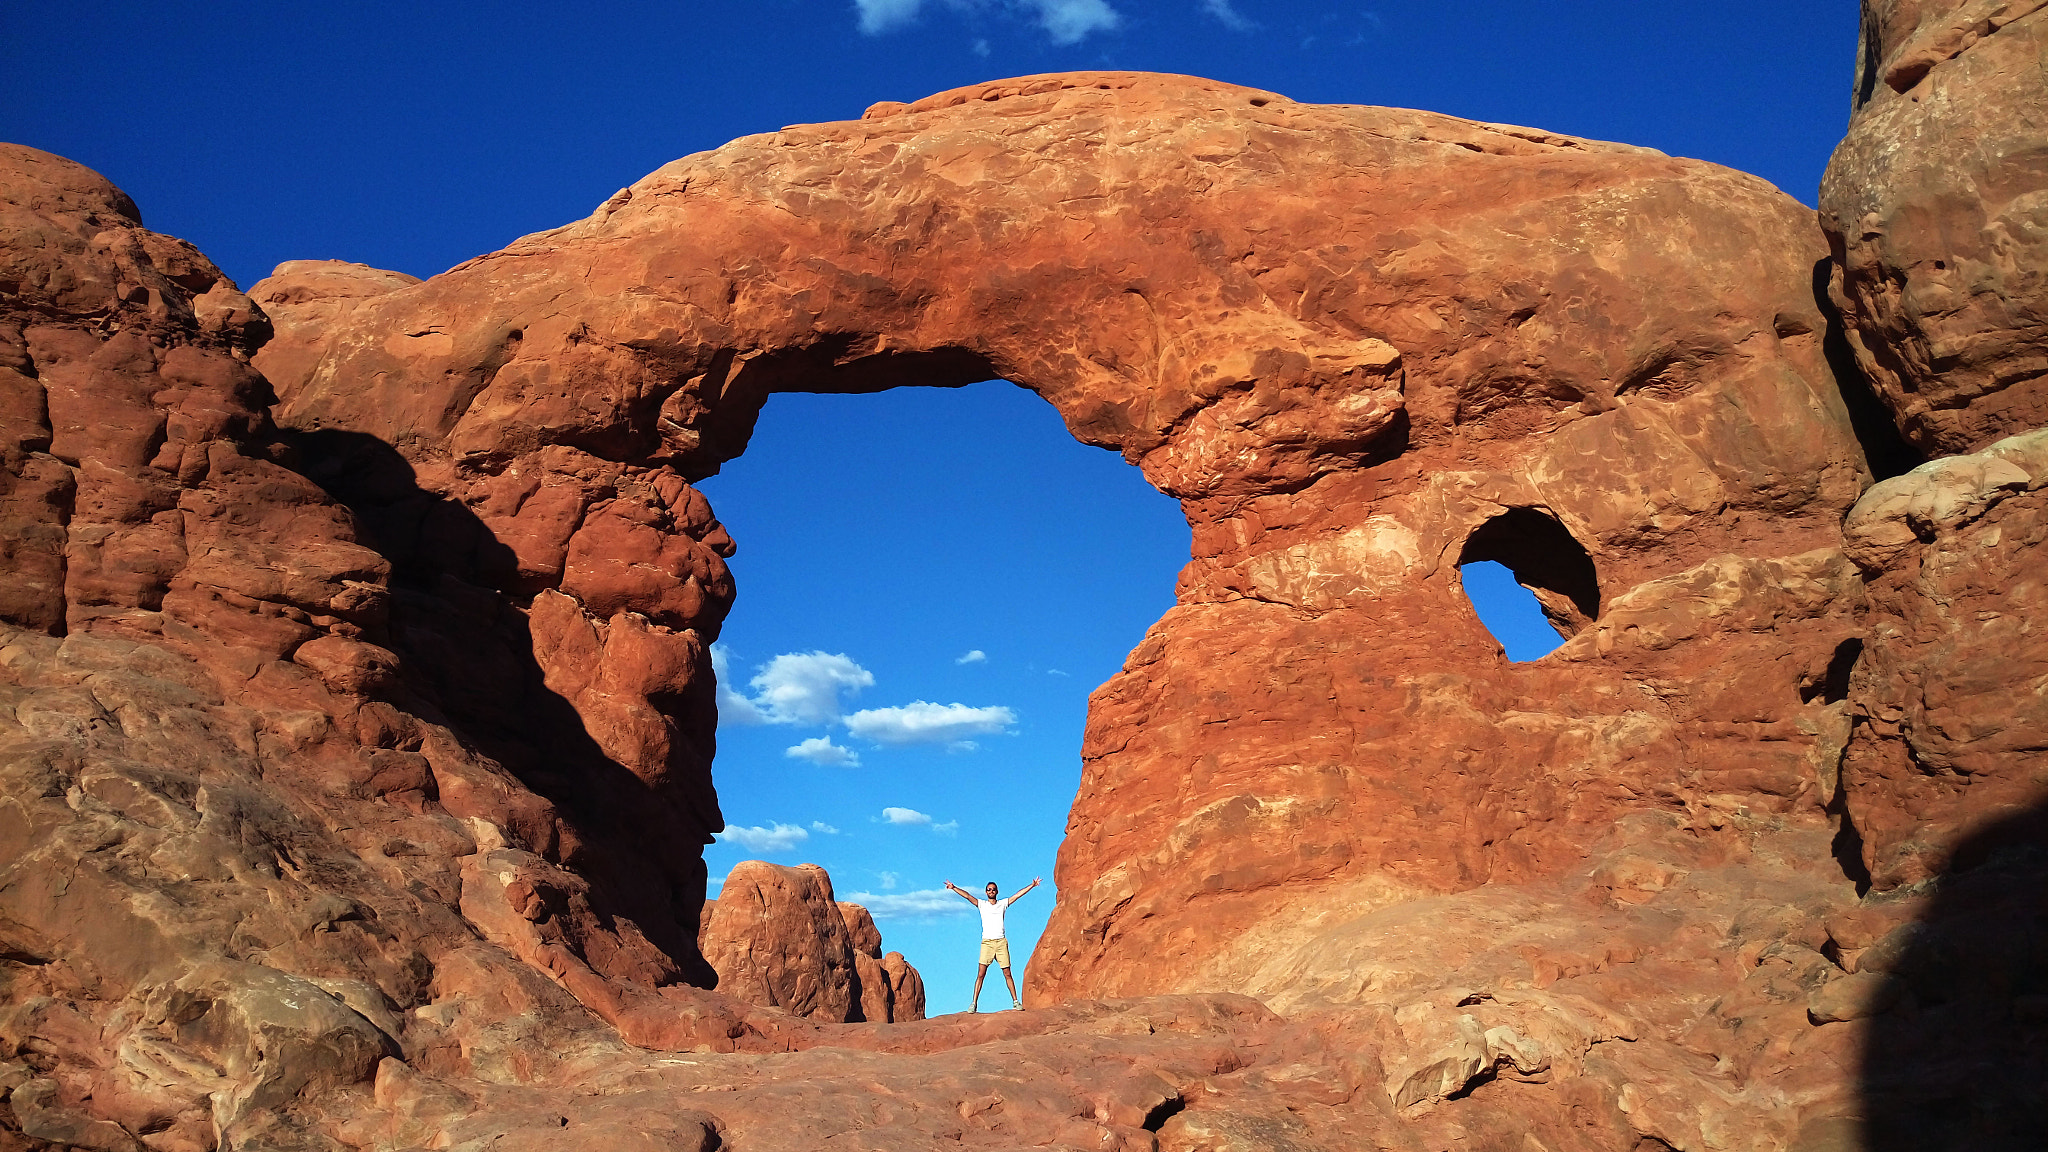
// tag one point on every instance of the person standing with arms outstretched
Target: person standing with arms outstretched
(994, 945)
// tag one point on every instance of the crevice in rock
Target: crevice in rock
(1832, 686)
(1484, 1078)
(1162, 1112)
(1885, 449)
(1847, 846)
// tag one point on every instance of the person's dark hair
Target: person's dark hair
(990, 884)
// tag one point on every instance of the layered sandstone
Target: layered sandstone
(1742, 865)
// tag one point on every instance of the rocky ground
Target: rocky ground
(357, 719)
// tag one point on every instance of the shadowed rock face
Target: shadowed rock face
(1659, 889)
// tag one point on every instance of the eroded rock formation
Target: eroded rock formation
(777, 938)
(1746, 864)
(1937, 206)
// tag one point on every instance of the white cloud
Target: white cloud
(1069, 21)
(821, 826)
(924, 904)
(975, 657)
(733, 708)
(822, 751)
(1066, 21)
(793, 688)
(922, 722)
(1056, 672)
(772, 838)
(1230, 17)
(879, 16)
(915, 819)
(888, 880)
(804, 687)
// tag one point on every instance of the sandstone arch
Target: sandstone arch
(1339, 357)
(1591, 896)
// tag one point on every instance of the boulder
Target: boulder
(777, 938)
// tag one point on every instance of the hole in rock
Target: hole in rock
(1832, 685)
(1530, 582)
(930, 582)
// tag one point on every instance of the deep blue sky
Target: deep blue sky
(899, 532)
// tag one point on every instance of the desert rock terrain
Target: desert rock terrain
(357, 712)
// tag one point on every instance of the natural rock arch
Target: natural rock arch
(1545, 559)
(246, 836)
(1340, 378)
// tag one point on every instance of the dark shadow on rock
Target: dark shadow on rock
(467, 658)
(1885, 449)
(1960, 1061)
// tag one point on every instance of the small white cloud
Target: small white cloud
(888, 880)
(963, 746)
(1055, 672)
(975, 657)
(822, 751)
(1070, 21)
(821, 826)
(714, 883)
(915, 819)
(879, 16)
(1228, 16)
(924, 904)
(772, 838)
(922, 722)
(981, 49)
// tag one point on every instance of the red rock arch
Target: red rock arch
(1345, 338)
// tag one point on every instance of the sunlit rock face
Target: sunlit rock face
(1660, 887)
(1937, 206)
(777, 938)
(1347, 339)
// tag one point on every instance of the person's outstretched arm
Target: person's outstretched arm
(962, 893)
(1027, 888)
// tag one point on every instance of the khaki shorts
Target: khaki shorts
(997, 950)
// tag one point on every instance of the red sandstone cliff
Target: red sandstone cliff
(1746, 864)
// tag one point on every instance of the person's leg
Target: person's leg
(974, 1005)
(1014, 1002)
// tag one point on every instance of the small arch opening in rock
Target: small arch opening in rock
(1523, 571)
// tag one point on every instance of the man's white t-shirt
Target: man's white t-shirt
(992, 916)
